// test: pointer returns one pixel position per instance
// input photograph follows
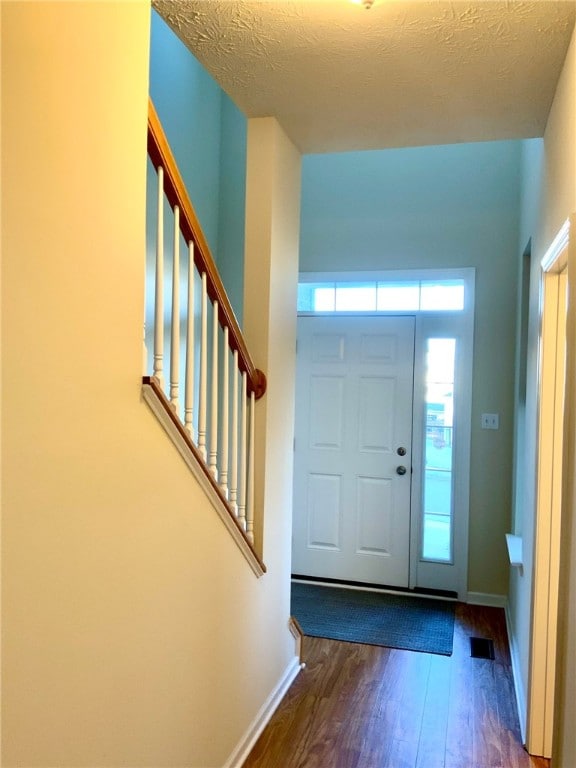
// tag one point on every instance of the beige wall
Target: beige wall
(560, 143)
(271, 275)
(134, 633)
(1, 397)
(270, 282)
(549, 198)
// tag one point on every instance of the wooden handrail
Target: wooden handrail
(175, 190)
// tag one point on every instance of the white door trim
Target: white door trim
(551, 492)
(458, 324)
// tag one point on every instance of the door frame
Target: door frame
(432, 324)
(554, 487)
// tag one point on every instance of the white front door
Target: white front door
(353, 448)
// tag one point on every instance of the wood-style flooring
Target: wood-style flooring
(361, 706)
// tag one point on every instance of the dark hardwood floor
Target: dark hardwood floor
(361, 706)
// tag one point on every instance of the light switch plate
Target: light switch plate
(490, 421)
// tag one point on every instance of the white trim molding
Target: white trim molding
(553, 499)
(516, 675)
(298, 635)
(244, 746)
(556, 257)
(487, 599)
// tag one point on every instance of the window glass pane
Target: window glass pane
(395, 296)
(437, 506)
(442, 295)
(401, 297)
(316, 297)
(324, 299)
(356, 297)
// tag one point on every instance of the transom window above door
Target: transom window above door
(410, 295)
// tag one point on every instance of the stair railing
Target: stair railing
(212, 406)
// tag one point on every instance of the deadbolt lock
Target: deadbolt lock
(401, 451)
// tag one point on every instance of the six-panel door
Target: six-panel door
(352, 464)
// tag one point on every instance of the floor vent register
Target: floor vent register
(481, 648)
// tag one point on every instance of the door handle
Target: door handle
(401, 470)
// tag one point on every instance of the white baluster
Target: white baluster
(159, 287)
(234, 446)
(144, 350)
(203, 371)
(242, 483)
(213, 455)
(250, 494)
(189, 385)
(225, 410)
(175, 320)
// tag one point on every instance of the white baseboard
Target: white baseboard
(485, 598)
(517, 677)
(244, 746)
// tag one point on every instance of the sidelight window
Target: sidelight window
(438, 450)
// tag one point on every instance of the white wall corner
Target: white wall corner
(270, 289)
(246, 743)
(516, 675)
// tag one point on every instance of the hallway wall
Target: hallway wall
(549, 198)
(434, 207)
(132, 625)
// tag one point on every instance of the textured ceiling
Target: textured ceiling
(339, 77)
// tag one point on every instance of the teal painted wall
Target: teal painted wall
(207, 134)
(231, 219)
(448, 206)
(408, 207)
(188, 103)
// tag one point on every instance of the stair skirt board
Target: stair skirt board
(181, 444)
(244, 747)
